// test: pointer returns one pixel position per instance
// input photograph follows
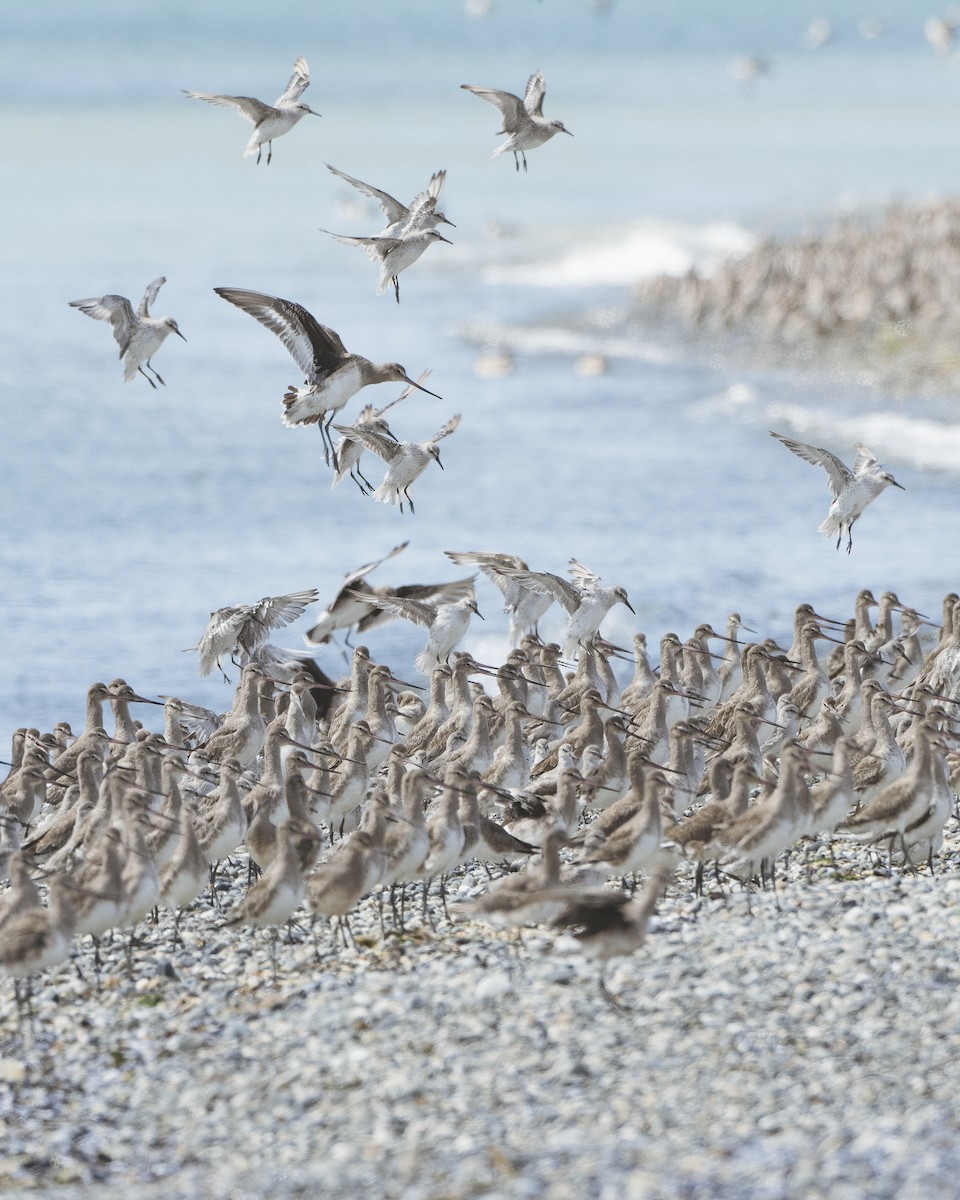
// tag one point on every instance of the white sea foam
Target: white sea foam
(651, 247)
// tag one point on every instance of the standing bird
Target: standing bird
(446, 622)
(852, 490)
(523, 119)
(331, 375)
(269, 121)
(406, 461)
(138, 335)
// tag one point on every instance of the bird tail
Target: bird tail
(386, 494)
(297, 409)
(425, 662)
(832, 526)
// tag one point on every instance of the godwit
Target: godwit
(331, 374)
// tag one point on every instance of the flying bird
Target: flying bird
(523, 119)
(138, 335)
(243, 628)
(405, 460)
(331, 375)
(421, 213)
(852, 490)
(269, 120)
(447, 623)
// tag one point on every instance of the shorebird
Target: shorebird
(523, 119)
(269, 120)
(586, 601)
(607, 924)
(421, 213)
(406, 461)
(331, 375)
(446, 622)
(394, 254)
(350, 449)
(37, 938)
(852, 489)
(524, 604)
(243, 628)
(138, 335)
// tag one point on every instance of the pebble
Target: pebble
(760, 1052)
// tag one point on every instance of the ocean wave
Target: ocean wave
(650, 248)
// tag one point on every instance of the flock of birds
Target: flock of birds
(332, 375)
(339, 790)
(336, 790)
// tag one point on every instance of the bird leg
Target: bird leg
(396, 287)
(605, 992)
(524, 157)
(406, 492)
(269, 152)
(155, 371)
(259, 153)
(147, 378)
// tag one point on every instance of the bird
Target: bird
(406, 461)
(138, 335)
(523, 119)
(447, 623)
(243, 628)
(331, 375)
(393, 253)
(525, 604)
(350, 450)
(421, 213)
(269, 120)
(586, 601)
(852, 489)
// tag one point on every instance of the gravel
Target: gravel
(773, 1046)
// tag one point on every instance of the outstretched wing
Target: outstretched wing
(392, 209)
(247, 106)
(866, 461)
(117, 310)
(361, 572)
(582, 575)
(375, 414)
(533, 96)
(299, 82)
(273, 612)
(382, 446)
(495, 567)
(549, 584)
(838, 474)
(150, 296)
(429, 593)
(417, 611)
(316, 349)
(447, 429)
(511, 106)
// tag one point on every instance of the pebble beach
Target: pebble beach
(617, 329)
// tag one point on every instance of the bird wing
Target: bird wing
(408, 390)
(549, 584)
(316, 349)
(866, 461)
(150, 295)
(273, 612)
(392, 209)
(493, 566)
(447, 429)
(220, 635)
(582, 575)
(247, 106)
(299, 82)
(510, 106)
(117, 310)
(435, 185)
(382, 446)
(361, 572)
(533, 96)
(838, 473)
(429, 593)
(417, 611)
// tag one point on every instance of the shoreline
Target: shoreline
(874, 301)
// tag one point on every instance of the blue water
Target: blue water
(130, 514)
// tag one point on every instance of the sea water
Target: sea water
(131, 513)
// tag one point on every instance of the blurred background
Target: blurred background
(590, 428)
